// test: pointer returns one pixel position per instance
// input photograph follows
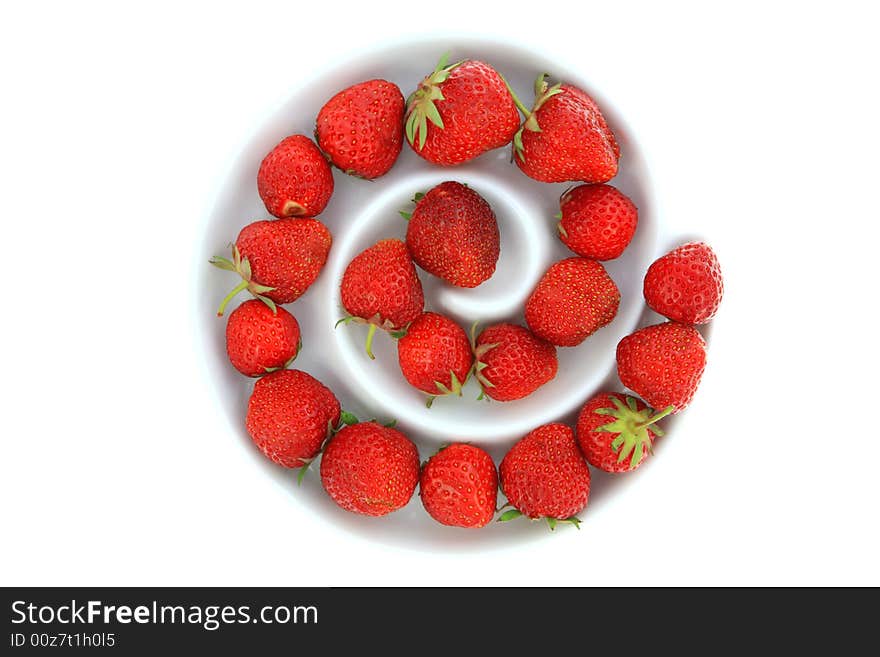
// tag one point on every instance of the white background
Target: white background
(117, 125)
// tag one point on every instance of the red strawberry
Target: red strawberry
(380, 287)
(512, 362)
(459, 112)
(294, 179)
(575, 298)
(290, 414)
(685, 285)
(370, 469)
(616, 432)
(453, 234)
(596, 221)
(361, 128)
(459, 486)
(277, 260)
(565, 137)
(259, 340)
(545, 476)
(662, 363)
(435, 355)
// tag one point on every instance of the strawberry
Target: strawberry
(277, 260)
(370, 469)
(662, 363)
(565, 137)
(290, 414)
(453, 234)
(380, 287)
(544, 475)
(294, 179)
(512, 362)
(259, 340)
(616, 432)
(435, 355)
(596, 221)
(459, 112)
(360, 129)
(685, 285)
(459, 486)
(575, 298)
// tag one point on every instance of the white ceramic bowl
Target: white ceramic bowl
(362, 212)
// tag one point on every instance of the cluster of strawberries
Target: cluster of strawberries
(458, 112)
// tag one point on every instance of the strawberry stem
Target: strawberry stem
(238, 288)
(370, 335)
(525, 111)
(657, 416)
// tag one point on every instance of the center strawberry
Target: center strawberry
(453, 234)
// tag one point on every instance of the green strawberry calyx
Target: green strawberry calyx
(406, 214)
(559, 226)
(512, 514)
(306, 464)
(454, 388)
(563, 199)
(631, 426)
(479, 365)
(421, 106)
(543, 93)
(375, 322)
(242, 267)
(287, 363)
